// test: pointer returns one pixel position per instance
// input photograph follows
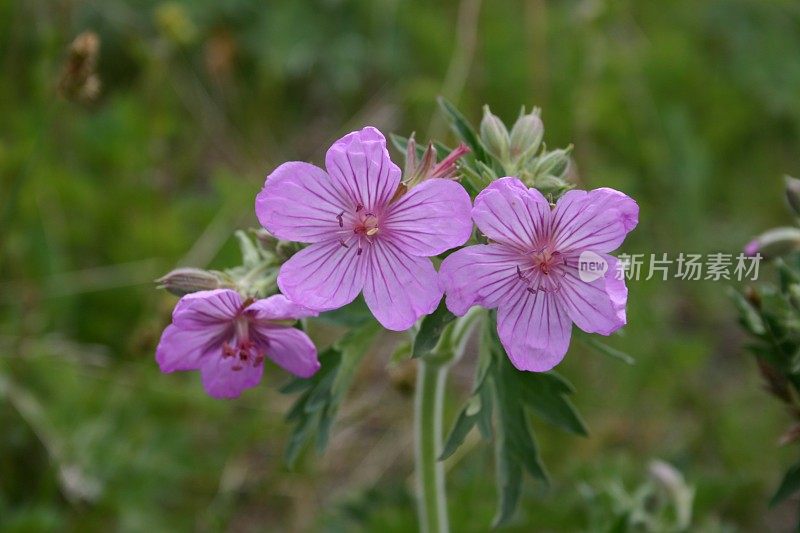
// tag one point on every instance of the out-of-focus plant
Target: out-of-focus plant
(770, 314)
(662, 503)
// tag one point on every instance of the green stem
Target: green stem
(431, 504)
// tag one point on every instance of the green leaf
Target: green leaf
(789, 485)
(431, 330)
(462, 128)
(545, 394)
(321, 395)
(604, 348)
(748, 315)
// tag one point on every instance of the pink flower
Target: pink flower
(362, 238)
(227, 339)
(530, 272)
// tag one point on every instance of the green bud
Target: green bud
(793, 193)
(526, 136)
(553, 163)
(182, 281)
(494, 135)
(775, 242)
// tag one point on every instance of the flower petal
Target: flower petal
(221, 380)
(534, 330)
(608, 198)
(509, 213)
(432, 217)
(202, 309)
(300, 202)
(359, 163)
(399, 288)
(484, 275)
(182, 349)
(584, 221)
(597, 306)
(289, 348)
(323, 276)
(278, 307)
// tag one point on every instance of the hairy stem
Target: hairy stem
(431, 504)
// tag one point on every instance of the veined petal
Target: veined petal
(300, 202)
(289, 348)
(432, 217)
(182, 349)
(278, 307)
(534, 330)
(608, 198)
(484, 275)
(584, 221)
(597, 306)
(509, 213)
(221, 380)
(323, 276)
(202, 309)
(399, 288)
(359, 163)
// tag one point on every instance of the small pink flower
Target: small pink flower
(530, 271)
(360, 239)
(227, 339)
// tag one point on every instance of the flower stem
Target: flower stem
(431, 504)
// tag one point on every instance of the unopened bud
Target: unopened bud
(446, 168)
(774, 243)
(553, 163)
(182, 281)
(494, 135)
(793, 193)
(526, 136)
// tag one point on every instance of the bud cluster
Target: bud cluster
(522, 153)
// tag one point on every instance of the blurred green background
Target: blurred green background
(690, 106)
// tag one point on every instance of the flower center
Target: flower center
(242, 349)
(360, 226)
(544, 270)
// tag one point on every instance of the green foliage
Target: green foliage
(315, 409)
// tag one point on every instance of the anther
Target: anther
(359, 207)
(359, 251)
(339, 218)
(341, 241)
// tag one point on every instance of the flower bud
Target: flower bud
(182, 281)
(553, 163)
(774, 243)
(526, 136)
(494, 135)
(793, 193)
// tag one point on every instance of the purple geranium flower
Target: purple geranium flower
(361, 235)
(227, 339)
(530, 272)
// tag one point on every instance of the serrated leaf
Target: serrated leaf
(431, 330)
(462, 128)
(314, 411)
(789, 485)
(545, 395)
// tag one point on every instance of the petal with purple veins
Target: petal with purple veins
(359, 163)
(228, 377)
(534, 330)
(431, 218)
(399, 288)
(323, 276)
(289, 348)
(509, 213)
(300, 202)
(181, 349)
(485, 275)
(202, 309)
